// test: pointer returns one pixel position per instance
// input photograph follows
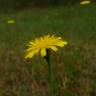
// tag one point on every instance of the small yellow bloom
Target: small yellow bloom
(43, 43)
(85, 2)
(11, 21)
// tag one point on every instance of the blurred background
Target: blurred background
(74, 66)
(15, 4)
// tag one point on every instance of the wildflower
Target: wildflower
(11, 21)
(42, 44)
(85, 2)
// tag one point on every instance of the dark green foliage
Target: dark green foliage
(4, 4)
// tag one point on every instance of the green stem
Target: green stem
(51, 76)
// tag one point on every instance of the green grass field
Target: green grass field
(74, 65)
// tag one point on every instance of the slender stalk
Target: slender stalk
(51, 76)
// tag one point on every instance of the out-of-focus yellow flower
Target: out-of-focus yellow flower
(85, 2)
(11, 21)
(43, 43)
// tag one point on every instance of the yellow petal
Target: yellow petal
(59, 38)
(30, 54)
(29, 49)
(54, 48)
(31, 43)
(61, 43)
(65, 43)
(43, 52)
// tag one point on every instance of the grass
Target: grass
(74, 65)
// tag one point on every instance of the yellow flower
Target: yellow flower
(43, 43)
(85, 2)
(11, 21)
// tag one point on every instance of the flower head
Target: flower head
(11, 21)
(43, 43)
(85, 2)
